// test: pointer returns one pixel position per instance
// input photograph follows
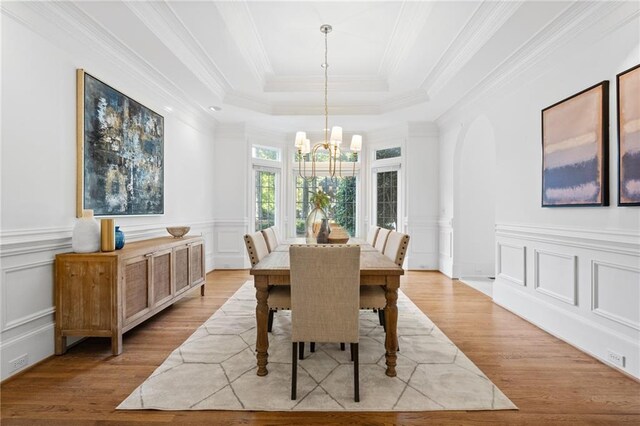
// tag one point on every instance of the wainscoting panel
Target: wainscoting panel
(229, 249)
(609, 281)
(423, 246)
(26, 293)
(555, 275)
(586, 286)
(511, 262)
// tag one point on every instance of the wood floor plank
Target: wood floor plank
(550, 381)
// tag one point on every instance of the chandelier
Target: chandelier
(331, 143)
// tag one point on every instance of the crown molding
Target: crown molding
(487, 19)
(163, 22)
(240, 24)
(404, 100)
(423, 129)
(575, 19)
(409, 23)
(342, 83)
(68, 19)
(243, 100)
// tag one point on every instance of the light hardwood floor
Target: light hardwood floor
(550, 381)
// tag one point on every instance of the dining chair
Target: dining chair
(372, 234)
(279, 296)
(381, 239)
(373, 297)
(325, 283)
(270, 238)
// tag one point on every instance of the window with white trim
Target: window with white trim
(266, 186)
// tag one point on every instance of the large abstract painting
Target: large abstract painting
(120, 152)
(628, 86)
(575, 142)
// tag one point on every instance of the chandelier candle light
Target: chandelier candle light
(331, 143)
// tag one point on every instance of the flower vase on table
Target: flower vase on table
(316, 218)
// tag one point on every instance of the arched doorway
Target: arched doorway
(474, 205)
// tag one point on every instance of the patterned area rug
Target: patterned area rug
(215, 369)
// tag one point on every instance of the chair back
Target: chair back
(325, 293)
(372, 234)
(396, 247)
(381, 239)
(256, 247)
(271, 238)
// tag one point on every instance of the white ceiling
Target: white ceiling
(389, 61)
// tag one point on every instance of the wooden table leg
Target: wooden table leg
(391, 321)
(262, 318)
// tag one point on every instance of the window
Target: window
(265, 199)
(381, 154)
(265, 153)
(387, 199)
(341, 190)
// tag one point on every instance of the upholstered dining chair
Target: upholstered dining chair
(271, 238)
(325, 293)
(279, 296)
(372, 234)
(373, 297)
(381, 239)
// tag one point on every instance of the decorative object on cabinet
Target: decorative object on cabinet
(107, 294)
(107, 235)
(575, 149)
(120, 152)
(85, 237)
(178, 231)
(628, 88)
(119, 238)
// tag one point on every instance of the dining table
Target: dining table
(375, 269)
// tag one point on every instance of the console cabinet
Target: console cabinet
(107, 294)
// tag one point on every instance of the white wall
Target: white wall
(475, 201)
(574, 272)
(39, 171)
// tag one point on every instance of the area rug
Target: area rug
(215, 369)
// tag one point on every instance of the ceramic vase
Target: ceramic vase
(86, 234)
(119, 238)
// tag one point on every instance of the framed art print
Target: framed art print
(575, 142)
(120, 152)
(628, 88)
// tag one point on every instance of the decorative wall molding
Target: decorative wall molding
(575, 19)
(488, 18)
(242, 28)
(522, 281)
(409, 23)
(595, 291)
(572, 299)
(161, 19)
(8, 324)
(612, 241)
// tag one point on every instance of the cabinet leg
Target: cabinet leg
(202, 290)
(116, 344)
(60, 344)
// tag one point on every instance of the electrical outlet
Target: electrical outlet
(615, 358)
(20, 362)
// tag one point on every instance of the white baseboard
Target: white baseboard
(588, 336)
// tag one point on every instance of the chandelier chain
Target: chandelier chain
(326, 84)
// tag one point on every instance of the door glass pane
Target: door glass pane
(341, 191)
(387, 199)
(265, 153)
(265, 199)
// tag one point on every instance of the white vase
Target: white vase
(86, 234)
